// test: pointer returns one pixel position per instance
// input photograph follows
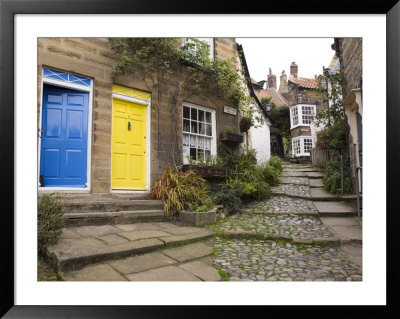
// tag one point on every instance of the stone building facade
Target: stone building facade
(349, 52)
(305, 102)
(100, 133)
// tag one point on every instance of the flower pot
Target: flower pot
(245, 124)
(206, 171)
(231, 138)
(198, 219)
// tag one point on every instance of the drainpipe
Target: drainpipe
(325, 72)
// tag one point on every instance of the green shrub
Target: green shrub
(179, 190)
(230, 197)
(276, 163)
(50, 222)
(256, 189)
(270, 174)
(332, 179)
(202, 206)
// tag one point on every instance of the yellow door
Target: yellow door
(128, 145)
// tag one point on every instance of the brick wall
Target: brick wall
(92, 57)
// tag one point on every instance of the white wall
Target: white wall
(260, 141)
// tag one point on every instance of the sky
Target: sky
(310, 54)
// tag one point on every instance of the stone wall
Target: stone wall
(92, 57)
(351, 58)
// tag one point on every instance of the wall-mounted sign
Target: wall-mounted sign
(230, 110)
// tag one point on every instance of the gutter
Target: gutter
(242, 58)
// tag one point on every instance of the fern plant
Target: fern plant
(179, 190)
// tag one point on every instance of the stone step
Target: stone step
(111, 205)
(316, 182)
(80, 246)
(311, 175)
(120, 217)
(319, 194)
(76, 197)
(185, 263)
(334, 209)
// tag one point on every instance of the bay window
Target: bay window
(301, 115)
(302, 145)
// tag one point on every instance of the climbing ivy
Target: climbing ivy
(157, 60)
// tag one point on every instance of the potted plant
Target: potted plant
(229, 137)
(199, 214)
(245, 124)
(213, 167)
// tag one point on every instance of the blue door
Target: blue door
(63, 153)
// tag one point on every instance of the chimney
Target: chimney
(283, 85)
(271, 80)
(294, 69)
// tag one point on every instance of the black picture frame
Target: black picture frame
(8, 9)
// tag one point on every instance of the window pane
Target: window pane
(193, 141)
(193, 127)
(186, 154)
(194, 114)
(186, 125)
(200, 142)
(207, 154)
(207, 143)
(201, 116)
(208, 130)
(193, 153)
(202, 128)
(186, 112)
(185, 139)
(200, 155)
(208, 117)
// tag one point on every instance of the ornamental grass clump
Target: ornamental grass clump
(276, 163)
(50, 222)
(179, 190)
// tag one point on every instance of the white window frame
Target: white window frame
(78, 87)
(301, 140)
(208, 41)
(299, 108)
(213, 128)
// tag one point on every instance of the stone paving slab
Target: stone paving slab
(100, 272)
(188, 252)
(347, 228)
(316, 182)
(78, 256)
(69, 233)
(355, 253)
(294, 180)
(139, 226)
(141, 234)
(321, 194)
(334, 209)
(95, 231)
(203, 271)
(168, 273)
(140, 263)
(113, 239)
(182, 230)
(171, 240)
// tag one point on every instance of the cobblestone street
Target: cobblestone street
(243, 249)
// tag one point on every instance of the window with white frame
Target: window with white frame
(302, 115)
(307, 114)
(295, 116)
(208, 41)
(199, 140)
(302, 145)
(296, 147)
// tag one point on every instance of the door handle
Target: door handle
(129, 126)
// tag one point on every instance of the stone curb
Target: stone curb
(319, 199)
(310, 241)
